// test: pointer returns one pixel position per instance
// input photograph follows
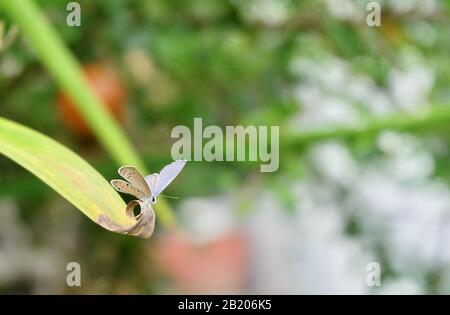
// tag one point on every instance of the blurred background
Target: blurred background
(334, 205)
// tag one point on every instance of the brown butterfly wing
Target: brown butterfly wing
(127, 188)
(132, 175)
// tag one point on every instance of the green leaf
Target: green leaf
(68, 174)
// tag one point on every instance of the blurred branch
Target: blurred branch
(61, 63)
(7, 38)
(436, 116)
(305, 20)
(299, 22)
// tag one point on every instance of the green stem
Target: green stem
(61, 63)
(438, 115)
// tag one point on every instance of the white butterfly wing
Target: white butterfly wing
(167, 175)
(151, 181)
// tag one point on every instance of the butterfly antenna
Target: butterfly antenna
(171, 197)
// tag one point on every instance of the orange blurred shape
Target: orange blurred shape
(105, 83)
(217, 267)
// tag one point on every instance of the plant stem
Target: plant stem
(438, 115)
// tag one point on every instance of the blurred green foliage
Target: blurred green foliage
(208, 59)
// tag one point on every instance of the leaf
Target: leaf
(69, 175)
(64, 67)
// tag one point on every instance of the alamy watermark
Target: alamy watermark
(374, 276)
(73, 278)
(74, 17)
(374, 17)
(235, 143)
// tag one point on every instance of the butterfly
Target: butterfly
(147, 188)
